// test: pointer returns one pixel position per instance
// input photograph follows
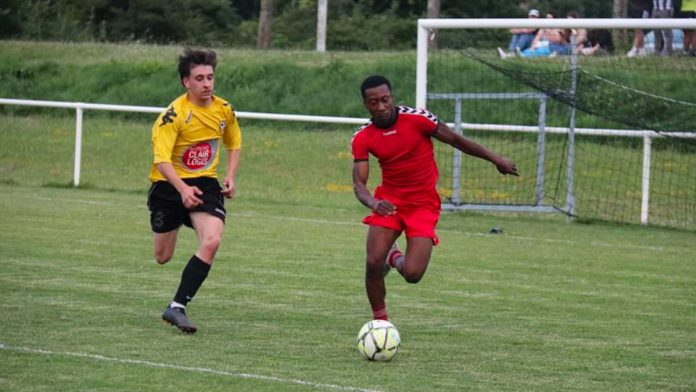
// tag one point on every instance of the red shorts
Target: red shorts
(417, 220)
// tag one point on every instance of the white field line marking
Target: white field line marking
(344, 223)
(186, 368)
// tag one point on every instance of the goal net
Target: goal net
(597, 135)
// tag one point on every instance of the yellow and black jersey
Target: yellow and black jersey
(188, 136)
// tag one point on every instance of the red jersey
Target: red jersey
(405, 153)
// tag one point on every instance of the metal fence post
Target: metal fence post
(78, 146)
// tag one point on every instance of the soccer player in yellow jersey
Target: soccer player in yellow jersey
(186, 140)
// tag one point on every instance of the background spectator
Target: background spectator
(639, 9)
(580, 34)
(663, 37)
(599, 42)
(549, 42)
(687, 10)
(522, 38)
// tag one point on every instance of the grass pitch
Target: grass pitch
(545, 306)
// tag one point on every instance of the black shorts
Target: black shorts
(167, 211)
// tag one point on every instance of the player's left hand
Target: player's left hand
(506, 166)
(228, 189)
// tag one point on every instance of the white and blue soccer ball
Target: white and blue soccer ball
(378, 340)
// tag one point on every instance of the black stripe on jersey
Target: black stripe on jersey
(419, 112)
(367, 124)
(360, 160)
(362, 127)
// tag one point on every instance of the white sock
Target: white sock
(175, 304)
(399, 262)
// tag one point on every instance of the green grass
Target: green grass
(300, 82)
(546, 306)
(280, 164)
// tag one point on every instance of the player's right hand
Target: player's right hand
(506, 166)
(384, 207)
(190, 198)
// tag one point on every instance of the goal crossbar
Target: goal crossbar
(425, 26)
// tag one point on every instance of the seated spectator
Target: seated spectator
(580, 34)
(548, 42)
(522, 38)
(599, 42)
(639, 9)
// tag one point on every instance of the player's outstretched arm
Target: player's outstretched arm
(445, 134)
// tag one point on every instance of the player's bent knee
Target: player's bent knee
(413, 276)
(163, 255)
(162, 258)
(164, 247)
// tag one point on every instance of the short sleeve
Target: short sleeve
(359, 147)
(232, 137)
(164, 133)
(423, 120)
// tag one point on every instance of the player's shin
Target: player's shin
(376, 293)
(192, 277)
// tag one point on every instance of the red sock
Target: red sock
(380, 314)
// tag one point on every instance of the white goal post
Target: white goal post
(426, 27)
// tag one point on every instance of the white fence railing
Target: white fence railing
(80, 107)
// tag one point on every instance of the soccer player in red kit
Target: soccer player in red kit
(407, 199)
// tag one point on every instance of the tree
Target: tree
(11, 13)
(322, 8)
(433, 13)
(620, 10)
(265, 21)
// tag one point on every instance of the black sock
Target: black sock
(192, 278)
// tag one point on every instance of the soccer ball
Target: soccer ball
(378, 340)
